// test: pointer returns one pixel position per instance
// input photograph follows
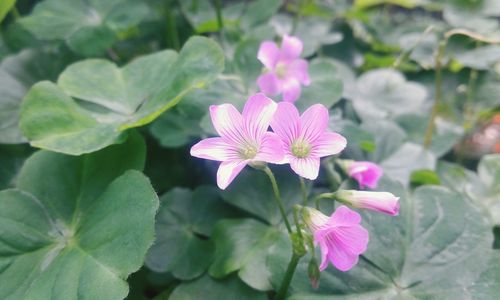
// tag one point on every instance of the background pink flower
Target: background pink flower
(365, 173)
(305, 138)
(341, 238)
(285, 71)
(243, 138)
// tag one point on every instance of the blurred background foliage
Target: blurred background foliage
(414, 85)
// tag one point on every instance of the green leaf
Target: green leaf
(259, 11)
(325, 88)
(5, 7)
(488, 192)
(12, 158)
(388, 138)
(423, 177)
(17, 73)
(446, 134)
(108, 100)
(246, 63)
(88, 27)
(242, 245)
(183, 223)
(207, 288)
(174, 128)
(482, 58)
(385, 93)
(408, 158)
(363, 4)
(76, 227)
(411, 256)
(252, 192)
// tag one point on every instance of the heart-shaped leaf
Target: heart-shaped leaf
(76, 227)
(17, 73)
(108, 100)
(252, 192)
(325, 88)
(385, 93)
(411, 256)
(242, 245)
(207, 288)
(88, 27)
(183, 225)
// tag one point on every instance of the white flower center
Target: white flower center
(281, 70)
(248, 151)
(301, 148)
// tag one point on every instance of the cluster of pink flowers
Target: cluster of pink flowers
(298, 140)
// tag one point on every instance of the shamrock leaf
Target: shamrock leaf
(76, 226)
(88, 27)
(94, 101)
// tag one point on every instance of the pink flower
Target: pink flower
(305, 138)
(364, 172)
(341, 238)
(383, 202)
(285, 71)
(243, 138)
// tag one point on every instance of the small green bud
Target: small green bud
(313, 273)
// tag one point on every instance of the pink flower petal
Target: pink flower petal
(365, 173)
(214, 149)
(291, 90)
(314, 122)
(298, 69)
(269, 84)
(227, 171)
(291, 47)
(342, 260)
(324, 255)
(268, 54)
(257, 115)
(271, 149)
(286, 122)
(344, 216)
(328, 143)
(306, 167)
(228, 122)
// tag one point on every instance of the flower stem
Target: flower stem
(296, 208)
(304, 190)
(218, 12)
(15, 13)
(172, 34)
(437, 94)
(323, 196)
(277, 197)
(288, 277)
(333, 177)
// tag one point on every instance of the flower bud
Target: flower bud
(365, 173)
(314, 273)
(383, 202)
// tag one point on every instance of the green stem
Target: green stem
(333, 177)
(304, 190)
(469, 101)
(296, 208)
(277, 197)
(296, 17)
(290, 270)
(15, 13)
(406, 54)
(173, 36)
(437, 92)
(323, 196)
(218, 12)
